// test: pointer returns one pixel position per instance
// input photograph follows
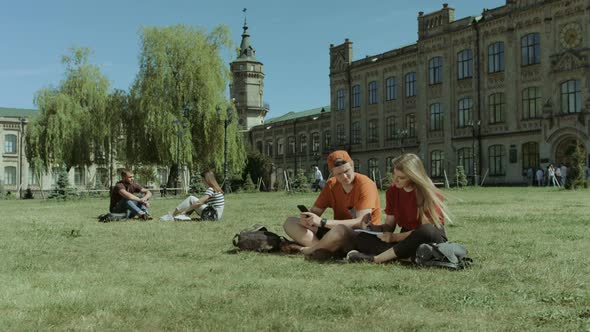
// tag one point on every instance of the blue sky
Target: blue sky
(291, 39)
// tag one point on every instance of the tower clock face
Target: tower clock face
(571, 35)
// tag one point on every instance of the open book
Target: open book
(359, 230)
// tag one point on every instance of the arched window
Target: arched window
(530, 49)
(291, 143)
(356, 96)
(327, 139)
(10, 175)
(390, 88)
(464, 64)
(303, 144)
(436, 163)
(410, 79)
(497, 159)
(530, 155)
(435, 70)
(496, 107)
(465, 159)
(496, 57)
(315, 142)
(280, 146)
(373, 96)
(340, 100)
(571, 97)
(10, 143)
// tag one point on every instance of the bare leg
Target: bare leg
(338, 238)
(184, 205)
(298, 233)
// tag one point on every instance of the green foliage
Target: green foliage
(63, 190)
(258, 166)
(196, 183)
(249, 185)
(387, 181)
(145, 174)
(575, 173)
(181, 82)
(300, 183)
(70, 127)
(461, 177)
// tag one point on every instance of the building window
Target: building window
(269, 148)
(390, 129)
(373, 97)
(436, 117)
(464, 112)
(259, 146)
(465, 159)
(530, 155)
(101, 180)
(497, 158)
(436, 163)
(163, 176)
(571, 97)
(340, 100)
(496, 57)
(291, 143)
(357, 165)
(280, 147)
(356, 132)
(327, 140)
(411, 124)
(340, 134)
(33, 178)
(10, 143)
(465, 64)
(389, 165)
(531, 103)
(391, 89)
(435, 70)
(530, 49)
(315, 142)
(303, 144)
(373, 132)
(496, 107)
(374, 169)
(79, 176)
(356, 96)
(410, 84)
(10, 175)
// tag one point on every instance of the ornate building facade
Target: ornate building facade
(497, 93)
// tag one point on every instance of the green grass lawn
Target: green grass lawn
(62, 270)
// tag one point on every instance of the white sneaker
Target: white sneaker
(167, 217)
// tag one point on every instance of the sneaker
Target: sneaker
(167, 217)
(354, 256)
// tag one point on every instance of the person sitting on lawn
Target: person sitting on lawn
(213, 197)
(415, 205)
(354, 199)
(125, 200)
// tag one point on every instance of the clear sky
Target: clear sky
(291, 38)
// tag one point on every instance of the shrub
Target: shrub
(249, 185)
(575, 173)
(387, 181)
(300, 182)
(461, 177)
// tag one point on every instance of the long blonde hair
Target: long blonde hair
(211, 182)
(428, 197)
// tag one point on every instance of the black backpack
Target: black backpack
(209, 213)
(448, 255)
(108, 217)
(257, 238)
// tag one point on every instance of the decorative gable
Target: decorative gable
(568, 61)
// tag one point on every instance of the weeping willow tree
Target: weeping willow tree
(173, 116)
(70, 129)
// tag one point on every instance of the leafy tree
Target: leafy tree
(387, 181)
(70, 127)
(300, 183)
(175, 97)
(258, 166)
(461, 177)
(145, 174)
(249, 185)
(575, 173)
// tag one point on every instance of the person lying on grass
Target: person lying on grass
(415, 205)
(213, 197)
(352, 196)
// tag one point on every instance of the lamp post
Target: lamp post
(474, 129)
(23, 121)
(226, 121)
(178, 134)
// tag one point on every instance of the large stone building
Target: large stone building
(497, 93)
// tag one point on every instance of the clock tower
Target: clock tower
(247, 85)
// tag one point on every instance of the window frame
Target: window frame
(496, 57)
(464, 112)
(496, 107)
(571, 98)
(372, 93)
(527, 101)
(464, 64)
(391, 88)
(435, 65)
(436, 117)
(530, 49)
(497, 160)
(410, 84)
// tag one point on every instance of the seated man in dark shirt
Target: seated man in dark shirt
(124, 200)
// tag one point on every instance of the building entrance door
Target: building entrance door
(564, 150)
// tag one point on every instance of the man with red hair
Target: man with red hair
(353, 198)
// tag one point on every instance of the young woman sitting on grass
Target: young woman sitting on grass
(213, 197)
(415, 205)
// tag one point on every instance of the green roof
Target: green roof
(296, 115)
(17, 112)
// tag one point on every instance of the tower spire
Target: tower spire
(246, 50)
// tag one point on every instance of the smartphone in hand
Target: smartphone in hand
(302, 208)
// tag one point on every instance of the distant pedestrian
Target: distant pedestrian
(558, 173)
(529, 176)
(540, 176)
(563, 175)
(551, 180)
(318, 179)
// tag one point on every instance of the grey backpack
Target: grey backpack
(448, 255)
(257, 238)
(111, 216)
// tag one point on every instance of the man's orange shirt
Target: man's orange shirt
(364, 195)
